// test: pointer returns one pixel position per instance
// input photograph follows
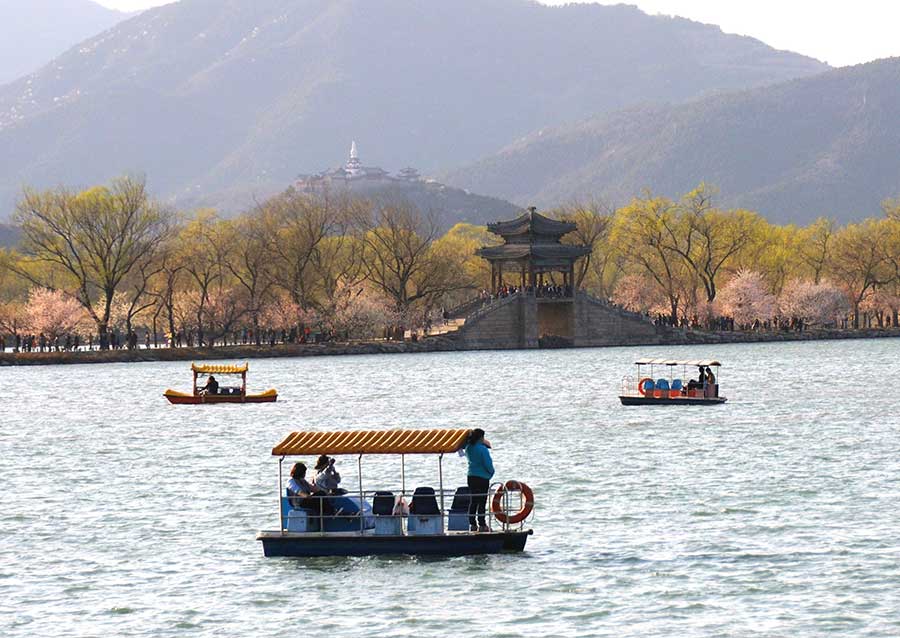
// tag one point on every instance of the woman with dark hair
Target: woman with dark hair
(302, 494)
(481, 469)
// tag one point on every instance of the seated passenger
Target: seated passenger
(211, 387)
(301, 494)
(328, 478)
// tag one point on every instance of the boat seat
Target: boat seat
(386, 524)
(677, 385)
(662, 384)
(458, 517)
(383, 504)
(424, 515)
(648, 387)
(299, 520)
(424, 502)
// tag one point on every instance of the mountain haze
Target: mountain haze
(825, 145)
(208, 96)
(33, 32)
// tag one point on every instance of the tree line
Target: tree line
(112, 259)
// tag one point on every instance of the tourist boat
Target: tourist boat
(225, 394)
(668, 382)
(374, 522)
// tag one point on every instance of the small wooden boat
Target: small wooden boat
(376, 522)
(652, 388)
(212, 392)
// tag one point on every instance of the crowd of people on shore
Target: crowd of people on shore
(727, 324)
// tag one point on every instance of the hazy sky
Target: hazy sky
(839, 33)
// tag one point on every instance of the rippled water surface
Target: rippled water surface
(777, 514)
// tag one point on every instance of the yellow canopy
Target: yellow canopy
(372, 442)
(219, 369)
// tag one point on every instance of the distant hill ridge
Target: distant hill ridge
(825, 145)
(210, 96)
(33, 32)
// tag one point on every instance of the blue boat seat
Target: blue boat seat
(648, 386)
(424, 515)
(297, 519)
(386, 524)
(677, 385)
(458, 517)
(662, 384)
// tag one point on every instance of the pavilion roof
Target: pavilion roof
(536, 252)
(533, 223)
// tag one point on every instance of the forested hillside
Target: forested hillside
(827, 145)
(209, 96)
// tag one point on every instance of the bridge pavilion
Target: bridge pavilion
(531, 252)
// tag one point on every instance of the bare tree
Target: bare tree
(94, 239)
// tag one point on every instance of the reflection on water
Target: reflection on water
(774, 514)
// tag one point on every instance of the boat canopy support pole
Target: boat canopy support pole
(441, 486)
(402, 475)
(362, 518)
(278, 493)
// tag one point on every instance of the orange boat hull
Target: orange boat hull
(180, 398)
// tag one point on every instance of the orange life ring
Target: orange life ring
(641, 385)
(527, 506)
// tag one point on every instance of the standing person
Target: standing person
(481, 469)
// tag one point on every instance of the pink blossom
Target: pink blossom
(746, 298)
(53, 314)
(817, 304)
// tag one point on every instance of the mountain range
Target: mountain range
(33, 32)
(237, 97)
(825, 145)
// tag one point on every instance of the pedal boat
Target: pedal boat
(230, 394)
(370, 522)
(660, 385)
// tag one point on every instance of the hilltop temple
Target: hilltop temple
(354, 173)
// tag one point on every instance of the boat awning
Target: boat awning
(677, 362)
(219, 369)
(372, 442)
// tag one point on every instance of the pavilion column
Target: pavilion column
(499, 275)
(523, 275)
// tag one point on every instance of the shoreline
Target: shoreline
(430, 344)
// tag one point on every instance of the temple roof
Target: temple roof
(534, 251)
(532, 223)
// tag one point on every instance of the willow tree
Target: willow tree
(641, 232)
(86, 244)
(593, 221)
(400, 258)
(861, 260)
(708, 239)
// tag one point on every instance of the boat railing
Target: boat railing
(630, 388)
(510, 503)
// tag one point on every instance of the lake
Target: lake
(775, 514)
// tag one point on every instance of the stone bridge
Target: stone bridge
(526, 321)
